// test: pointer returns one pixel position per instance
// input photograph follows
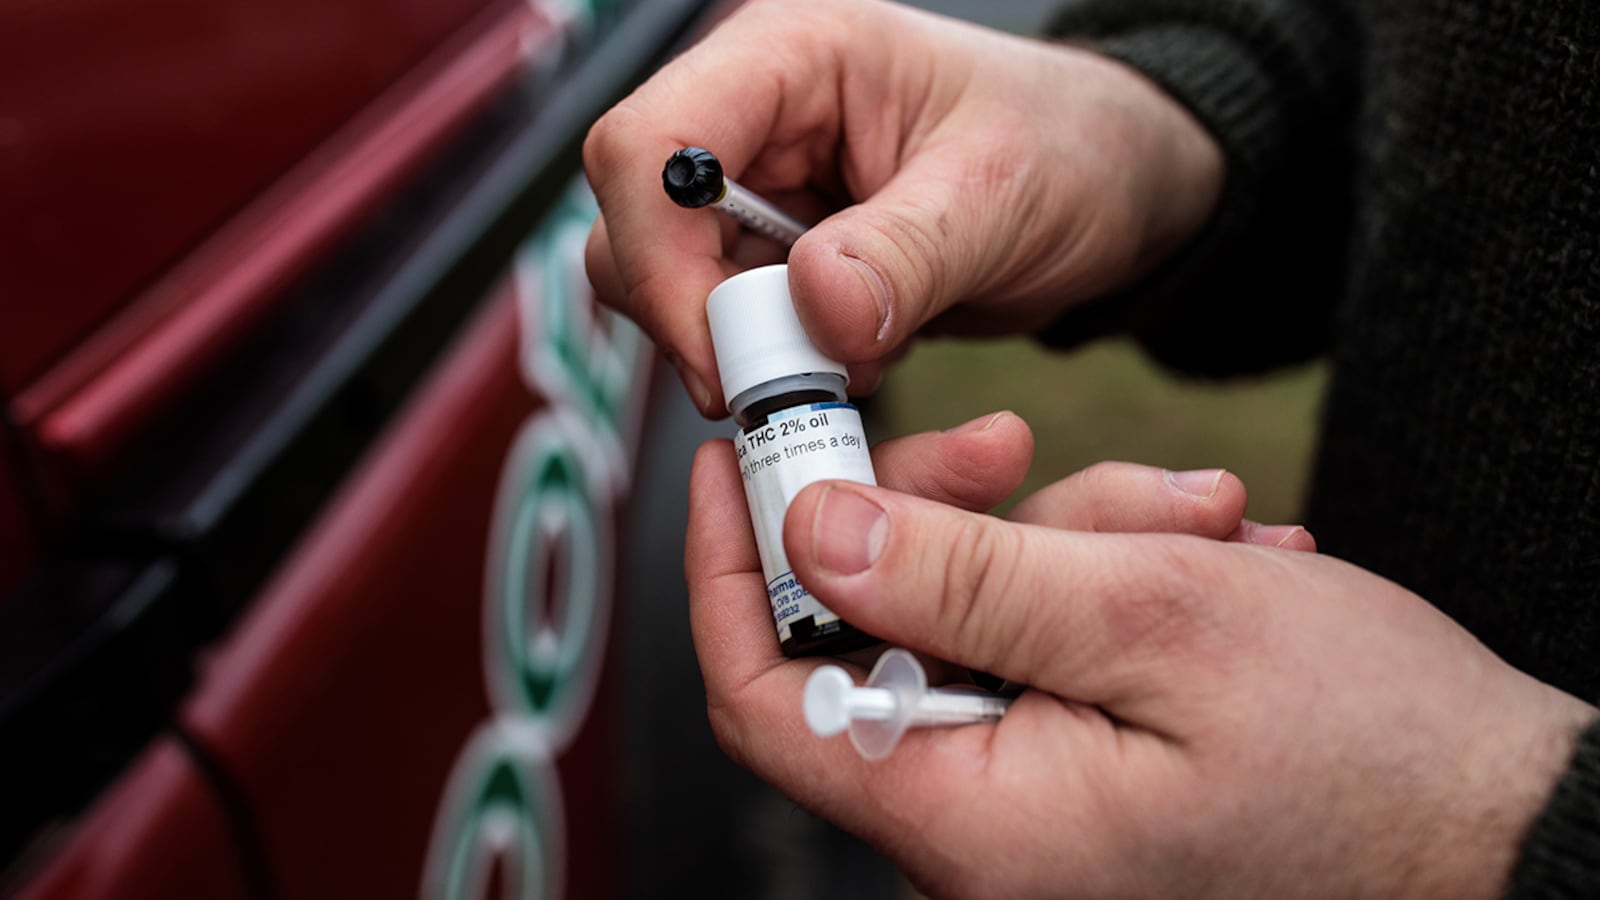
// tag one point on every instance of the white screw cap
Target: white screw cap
(756, 334)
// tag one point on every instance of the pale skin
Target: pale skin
(1213, 711)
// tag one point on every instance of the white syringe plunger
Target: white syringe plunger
(896, 697)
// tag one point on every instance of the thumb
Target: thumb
(867, 277)
(1093, 617)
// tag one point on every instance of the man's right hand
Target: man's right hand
(983, 181)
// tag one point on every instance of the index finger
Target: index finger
(726, 93)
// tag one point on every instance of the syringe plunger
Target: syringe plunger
(895, 698)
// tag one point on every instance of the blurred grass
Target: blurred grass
(1109, 402)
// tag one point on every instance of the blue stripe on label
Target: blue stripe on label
(793, 411)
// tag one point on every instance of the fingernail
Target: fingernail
(1267, 535)
(980, 424)
(691, 381)
(1289, 531)
(878, 290)
(848, 531)
(1198, 482)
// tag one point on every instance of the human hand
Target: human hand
(996, 179)
(1206, 719)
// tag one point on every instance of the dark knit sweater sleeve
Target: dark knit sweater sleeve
(1273, 82)
(1561, 857)
(1277, 83)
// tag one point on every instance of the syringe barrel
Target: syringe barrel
(758, 215)
(958, 707)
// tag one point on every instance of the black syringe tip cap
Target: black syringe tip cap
(693, 177)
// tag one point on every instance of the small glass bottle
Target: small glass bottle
(796, 428)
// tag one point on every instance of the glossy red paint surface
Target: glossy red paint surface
(96, 399)
(348, 691)
(130, 132)
(159, 833)
(166, 170)
(19, 538)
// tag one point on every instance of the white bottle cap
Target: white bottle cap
(756, 334)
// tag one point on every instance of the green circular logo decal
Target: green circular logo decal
(549, 573)
(549, 581)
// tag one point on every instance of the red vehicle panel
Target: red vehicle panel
(17, 528)
(127, 847)
(341, 703)
(132, 132)
(317, 456)
(361, 706)
(141, 362)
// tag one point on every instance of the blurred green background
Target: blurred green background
(1109, 402)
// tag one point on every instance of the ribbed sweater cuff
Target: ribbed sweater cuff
(1561, 856)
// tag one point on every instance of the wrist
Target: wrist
(1185, 170)
(1506, 801)
(1175, 167)
(1560, 854)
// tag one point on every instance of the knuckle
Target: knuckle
(1170, 604)
(598, 263)
(641, 301)
(605, 146)
(597, 144)
(954, 479)
(1091, 498)
(912, 234)
(725, 728)
(1101, 480)
(1003, 170)
(978, 567)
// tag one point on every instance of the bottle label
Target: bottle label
(796, 447)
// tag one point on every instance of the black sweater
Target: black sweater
(1413, 189)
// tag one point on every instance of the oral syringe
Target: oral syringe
(693, 178)
(895, 698)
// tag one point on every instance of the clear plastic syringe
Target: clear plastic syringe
(896, 698)
(693, 178)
